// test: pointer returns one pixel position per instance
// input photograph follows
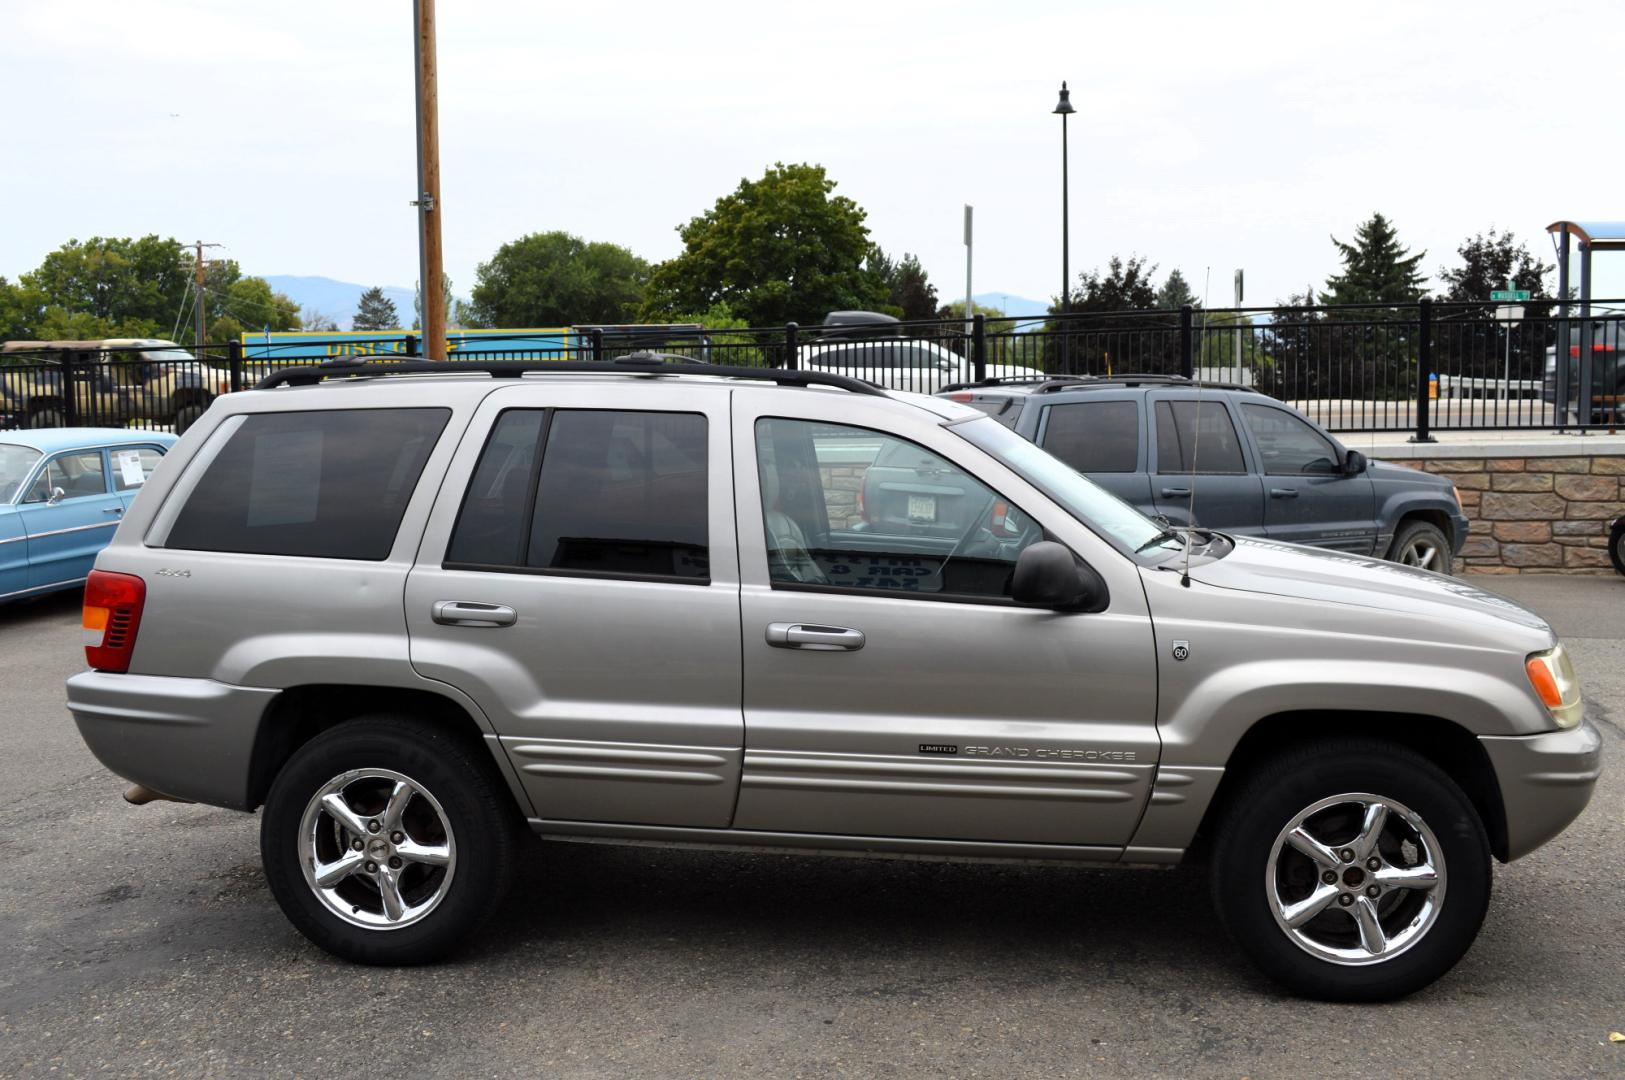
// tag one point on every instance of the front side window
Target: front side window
(852, 508)
(1197, 437)
(1287, 445)
(589, 492)
(1095, 436)
(75, 475)
(331, 485)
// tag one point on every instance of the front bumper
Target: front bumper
(1459, 527)
(1545, 781)
(191, 739)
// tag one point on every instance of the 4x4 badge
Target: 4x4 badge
(1182, 650)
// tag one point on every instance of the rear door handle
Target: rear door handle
(468, 613)
(112, 509)
(1176, 492)
(784, 635)
(1283, 493)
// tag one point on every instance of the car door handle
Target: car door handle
(1283, 493)
(1176, 492)
(468, 613)
(784, 635)
(112, 509)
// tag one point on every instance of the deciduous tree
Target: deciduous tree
(779, 249)
(556, 279)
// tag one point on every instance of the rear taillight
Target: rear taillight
(112, 616)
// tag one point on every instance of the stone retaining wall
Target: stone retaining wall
(1539, 515)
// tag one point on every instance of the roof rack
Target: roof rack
(511, 369)
(1015, 380)
(1057, 385)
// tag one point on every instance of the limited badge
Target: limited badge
(1182, 650)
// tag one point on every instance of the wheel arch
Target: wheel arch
(299, 714)
(1446, 744)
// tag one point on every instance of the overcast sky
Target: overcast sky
(1208, 136)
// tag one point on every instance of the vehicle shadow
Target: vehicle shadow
(49, 606)
(895, 919)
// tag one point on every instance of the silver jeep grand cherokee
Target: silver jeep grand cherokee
(411, 608)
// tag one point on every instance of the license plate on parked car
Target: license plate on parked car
(922, 508)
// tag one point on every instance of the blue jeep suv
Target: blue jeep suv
(1259, 468)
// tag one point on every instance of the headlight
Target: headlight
(1552, 676)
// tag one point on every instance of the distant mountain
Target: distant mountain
(1017, 307)
(337, 299)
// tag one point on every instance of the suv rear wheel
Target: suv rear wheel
(1616, 545)
(1351, 870)
(387, 840)
(1422, 545)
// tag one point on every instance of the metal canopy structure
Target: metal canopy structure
(1593, 236)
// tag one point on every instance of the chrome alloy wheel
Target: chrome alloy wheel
(1421, 552)
(1355, 879)
(376, 849)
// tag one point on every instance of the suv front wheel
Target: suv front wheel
(1423, 546)
(387, 840)
(1351, 870)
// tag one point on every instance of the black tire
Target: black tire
(1273, 795)
(457, 774)
(1616, 545)
(47, 417)
(1414, 540)
(186, 416)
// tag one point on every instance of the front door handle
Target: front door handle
(112, 509)
(468, 613)
(1175, 492)
(785, 635)
(1283, 493)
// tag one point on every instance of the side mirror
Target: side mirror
(1354, 463)
(1048, 575)
(56, 496)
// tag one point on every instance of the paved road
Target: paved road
(144, 942)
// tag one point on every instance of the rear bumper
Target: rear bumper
(189, 738)
(1545, 781)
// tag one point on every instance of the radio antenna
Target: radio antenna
(1196, 445)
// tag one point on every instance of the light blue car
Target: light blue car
(62, 493)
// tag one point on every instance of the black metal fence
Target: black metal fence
(1412, 368)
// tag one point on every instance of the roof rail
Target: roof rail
(1055, 386)
(511, 369)
(1015, 380)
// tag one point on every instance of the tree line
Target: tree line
(779, 248)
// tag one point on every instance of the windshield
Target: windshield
(165, 354)
(1077, 494)
(16, 462)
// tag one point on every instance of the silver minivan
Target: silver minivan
(411, 609)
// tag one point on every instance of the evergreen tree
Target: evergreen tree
(375, 311)
(1376, 268)
(1176, 293)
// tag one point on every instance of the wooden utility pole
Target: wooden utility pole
(431, 291)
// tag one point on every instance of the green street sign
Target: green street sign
(1499, 295)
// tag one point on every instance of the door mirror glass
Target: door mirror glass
(1354, 464)
(1049, 575)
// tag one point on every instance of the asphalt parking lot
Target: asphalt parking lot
(143, 941)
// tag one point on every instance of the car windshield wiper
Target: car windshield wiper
(1167, 533)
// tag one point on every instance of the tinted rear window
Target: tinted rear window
(610, 493)
(1095, 436)
(1178, 449)
(329, 485)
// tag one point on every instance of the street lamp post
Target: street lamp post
(1064, 109)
